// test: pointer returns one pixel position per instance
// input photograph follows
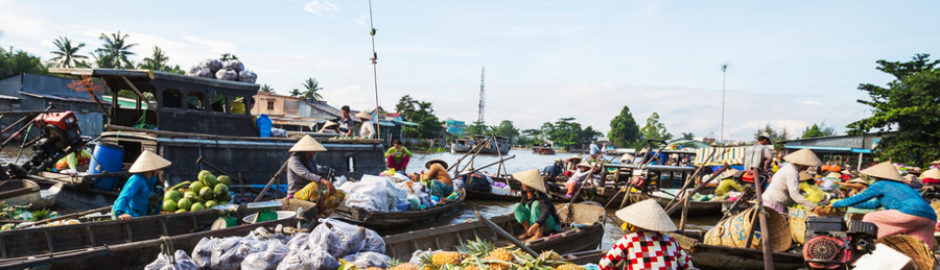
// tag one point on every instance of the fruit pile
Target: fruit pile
(478, 255)
(206, 192)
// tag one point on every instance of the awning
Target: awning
(5, 97)
(830, 149)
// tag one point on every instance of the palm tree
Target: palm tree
(157, 61)
(296, 93)
(267, 88)
(67, 55)
(312, 87)
(116, 50)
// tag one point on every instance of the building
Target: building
(840, 150)
(292, 113)
(26, 92)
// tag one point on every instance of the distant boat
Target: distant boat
(466, 145)
(543, 150)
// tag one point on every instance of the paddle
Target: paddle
(502, 233)
(267, 186)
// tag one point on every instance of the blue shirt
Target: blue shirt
(134, 196)
(891, 195)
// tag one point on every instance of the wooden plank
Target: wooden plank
(49, 244)
(90, 235)
(127, 232)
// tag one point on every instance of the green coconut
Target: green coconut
(181, 211)
(172, 195)
(203, 174)
(184, 203)
(224, 197)
(205, 194)
(211, 181)
(211, 203)
(169, 206)
(196, 186)
(220, 190)
(224, 179)
(197, 206)
(191, 195)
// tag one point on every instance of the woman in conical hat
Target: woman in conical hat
(581, 175)
(367, 130)
(535, 212)
(905, 210)
(646, 244)
(784, 186)
(134, 198)
(304, 183)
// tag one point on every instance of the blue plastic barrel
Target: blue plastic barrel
(106, 158)
(264, 125)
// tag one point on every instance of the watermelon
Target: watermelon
(197, 206)
(220, 190)
(211, 203)
(205, 194)
(169, 206)
(184, 204)
(173, 195)
(224, 179)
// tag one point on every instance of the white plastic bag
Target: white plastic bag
(202, 253)
(267, 259)
(235, 65)
(247, 76)
(299, 241)
(337, 238)
(308, 259)
(231, 251)
(183, 262)
(226, 74)
(363, 260)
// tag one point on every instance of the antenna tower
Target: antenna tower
(482, 98)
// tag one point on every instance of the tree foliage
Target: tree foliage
(818, 130)
(159, 61)
(13, 61)
(654, 130)
(909, 105)
(115, 51)
(311, 90)
(506, 129)
(66, 53)
(774, 135)
(267, 88)
(688, 136)
(566, 132)
(623, 128)
(422, 113)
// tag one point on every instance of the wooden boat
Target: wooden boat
(722, 257)
(696, 208)
(483, 196)
(77, 193)
(115, 243)
(590, 216)
(543, 150)
(464, 145)
(27, 192)
(381, 221)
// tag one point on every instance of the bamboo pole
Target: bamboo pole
(273, 179)
(762, 218)
(140, 94)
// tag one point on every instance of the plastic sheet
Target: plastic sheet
(226, 74)
(308, 259)
(230, 252)
(367, 259)
(299, 241)
(183, 262)
(235, 65)
(268, 259)
(337, 238)
(202, 253)
(247, 76)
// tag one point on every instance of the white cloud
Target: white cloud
(811, 102)
(362, 20)
(321, 7)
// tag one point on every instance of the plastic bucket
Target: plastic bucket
(264, 126)
(106, 158)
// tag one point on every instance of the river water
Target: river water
(524, 160)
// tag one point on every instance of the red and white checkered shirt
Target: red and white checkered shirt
(647, 250)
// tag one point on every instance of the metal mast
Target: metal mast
(375, 76)
(724, 69)
(482, 98)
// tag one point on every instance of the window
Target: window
(172, 98)
(219, 103)
(195, 101)
(270, 105)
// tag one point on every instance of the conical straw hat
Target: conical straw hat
(647, 215)
(330, 124)
(627, 156)
(834, 175)
(427, 165)
(364, 115)
(804, 176)
(531, 178)
(307, 144)
(859, 181)
(932, 173)
(584, 163)
(149, 161)
(884, 170)
(804, 157)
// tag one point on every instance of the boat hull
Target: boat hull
(385, 221)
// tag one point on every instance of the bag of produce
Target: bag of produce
(367, 259)
(226, 74)
(247, 76)
(163, 262)
(308, 259)
(262, 234)
(202, 253)
(267, 259)
(235, 65)
(201, 72)
(373, 242)
(337, 238)
(299, 241)
(230, 252)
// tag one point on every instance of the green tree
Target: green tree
(909, 106)
(66, 53)
(157, 61)
(312, 90)
(422, 113)
(566, 132)
(267, 88)
(115, 51)
(14, 61)
(295, 92)
(623, 128)
(688, 136)
(228, 56)
(654, 130)
(478, 128)
(773, 134)
(506, 129)
(818, 130)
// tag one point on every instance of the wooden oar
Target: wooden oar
(502, 233)
(273, 179)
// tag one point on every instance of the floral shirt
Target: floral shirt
(647, 250)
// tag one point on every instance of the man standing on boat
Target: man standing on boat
(367, 131)
(759, 155)
(346, 123)
(304, 183)
(134, 198)
(785, 185)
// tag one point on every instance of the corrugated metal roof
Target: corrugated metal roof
(57, 97)
(5, 97)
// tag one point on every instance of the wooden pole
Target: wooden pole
(685, 212)
(502, 233)
(273, 179)
(140, 94)
(675, 207)
(768, 256)
(691, 179)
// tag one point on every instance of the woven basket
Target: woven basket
(918, 251)
(935, 204)
(798, 216)
(733, 231)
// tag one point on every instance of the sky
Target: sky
(791, 63)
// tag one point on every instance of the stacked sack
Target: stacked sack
(231, 70)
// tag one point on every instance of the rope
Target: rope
(375, 77)
(25, 136)
(167, 249)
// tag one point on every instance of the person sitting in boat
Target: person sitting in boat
(367, 130)
(329, 127)
(811, 191)
(535, 212)
(728, 183)
(575, 181)
(853, 187)
(304, 183)
(135, 195)
(646, 244)
(571, 165)
(784, 187)
(554, 170)
(397, 156)
(904, 210)
(437, 179)
(627, 158)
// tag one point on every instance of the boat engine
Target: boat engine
(830, 244)
(59, 136)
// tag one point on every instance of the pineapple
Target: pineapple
(446, 257)
(405, 266)
(374, 268)
(500, 259)
(569, 266)
(550, 255)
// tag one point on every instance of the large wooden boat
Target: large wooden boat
(722, 257)
(543, 150)
(183, 118)
(571, 239)
(464, 145)
(382, 221)
(26, 192)
(484, 196)
(116, 244)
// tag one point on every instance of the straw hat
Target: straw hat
(859, 181)
(330, 124)
(804, 176)
(804, 157)
(149, 161)
(584, 163)
(575, 157)
(647, 215)
(627, 156)
(364, 115)
(910, 178)
(932, 173)
(531, 178)
(727, 174)
(307, 144)
(884, 170)
(427, 165)
(833, 175)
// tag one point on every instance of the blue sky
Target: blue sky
(792, 63)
